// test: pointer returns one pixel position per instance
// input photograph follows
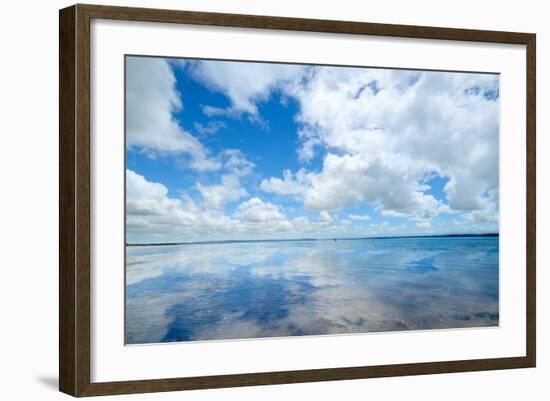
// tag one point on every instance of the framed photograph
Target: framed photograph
(250, 200)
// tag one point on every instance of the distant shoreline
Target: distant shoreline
(314, 239)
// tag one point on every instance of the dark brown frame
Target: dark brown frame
(74, 199)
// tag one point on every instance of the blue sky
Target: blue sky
(237, 150)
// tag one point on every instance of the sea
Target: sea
(259, 289)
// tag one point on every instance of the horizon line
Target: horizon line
(308, 239)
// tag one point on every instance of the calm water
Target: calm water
(266, 289)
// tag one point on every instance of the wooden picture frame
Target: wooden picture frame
(74, 199)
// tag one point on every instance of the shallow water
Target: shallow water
(266, 289)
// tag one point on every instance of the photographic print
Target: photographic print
(268, 199)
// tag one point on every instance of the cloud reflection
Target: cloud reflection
(267, 289)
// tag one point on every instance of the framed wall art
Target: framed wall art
(250, 200)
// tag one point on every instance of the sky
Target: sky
(227, 150)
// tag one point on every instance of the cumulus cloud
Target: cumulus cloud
(235, 162)
(487, 213)
(254, 210)
(244, 83)
(325, 217)
(215, 196)
(151, 99)
(349, 181)
(310, 144)
(152, 215)
(230, 188)
(149, 209)
(290, 184)
(385, 130)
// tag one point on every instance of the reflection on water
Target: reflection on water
(266, 289)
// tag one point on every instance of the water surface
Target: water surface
(292, 288)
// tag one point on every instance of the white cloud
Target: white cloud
(254, 210)
(244, 83)
(290, 184)
(235, 162)
(359, 217)
(210, 128)
(230, 187)
(307, 151)
(381, 228)
(151, 98)
(149, 209)
(215, 196)
(488, 213)
(424, 224)
(325, 217)
(143, 197)
(350, 180)
(154, 216)
(385, 130)
(212, 111)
